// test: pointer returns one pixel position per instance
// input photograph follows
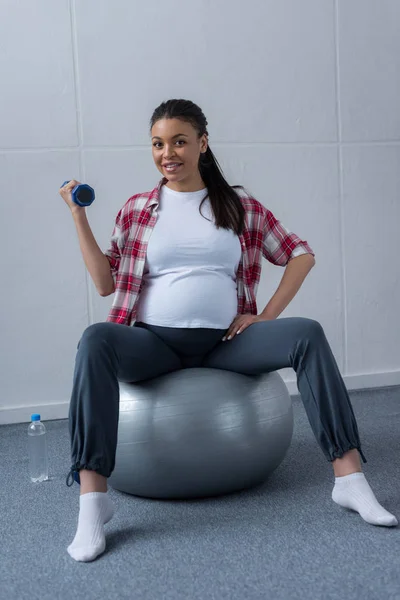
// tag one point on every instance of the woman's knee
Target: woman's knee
(312, 329)
(96, 334)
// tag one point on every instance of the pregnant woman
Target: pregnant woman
(184, 265)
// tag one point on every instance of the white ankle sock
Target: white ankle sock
(95, 509)
(354, 492)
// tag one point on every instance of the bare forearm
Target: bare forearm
(95, 260)
(295, 273)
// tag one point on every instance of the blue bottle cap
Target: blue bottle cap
(35, 417)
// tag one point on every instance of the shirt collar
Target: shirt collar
(154, 198)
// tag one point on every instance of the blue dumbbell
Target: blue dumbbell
(82, 194)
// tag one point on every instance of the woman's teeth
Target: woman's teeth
(172, 166)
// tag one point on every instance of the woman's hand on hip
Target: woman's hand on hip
(240, 323)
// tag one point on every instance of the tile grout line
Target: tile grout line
(78, 106)
(105, 148)
(341, 189)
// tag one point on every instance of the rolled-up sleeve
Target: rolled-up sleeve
(280, 244)
(117, 242)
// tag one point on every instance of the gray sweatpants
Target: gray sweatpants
(109, 352)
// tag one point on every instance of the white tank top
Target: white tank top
(189, 278)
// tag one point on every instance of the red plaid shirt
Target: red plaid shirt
(263, 235)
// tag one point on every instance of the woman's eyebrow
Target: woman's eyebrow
(156, 137)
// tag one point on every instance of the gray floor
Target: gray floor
(284, 540)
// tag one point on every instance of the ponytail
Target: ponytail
(225, 203)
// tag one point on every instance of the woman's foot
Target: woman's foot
(95, 510)
(353, 491)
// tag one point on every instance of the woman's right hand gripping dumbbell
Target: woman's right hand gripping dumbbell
(66, 195)
(80, 194)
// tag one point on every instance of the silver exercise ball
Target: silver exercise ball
(200, 432)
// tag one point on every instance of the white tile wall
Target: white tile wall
(301, 99)
(371, 225)
(261, 73)
(369, 57)
(37, 99)
(44, 299)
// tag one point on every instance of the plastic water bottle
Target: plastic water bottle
(37, 446)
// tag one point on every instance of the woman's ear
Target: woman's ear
(204, 144)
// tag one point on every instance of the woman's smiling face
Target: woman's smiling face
(176, 150)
